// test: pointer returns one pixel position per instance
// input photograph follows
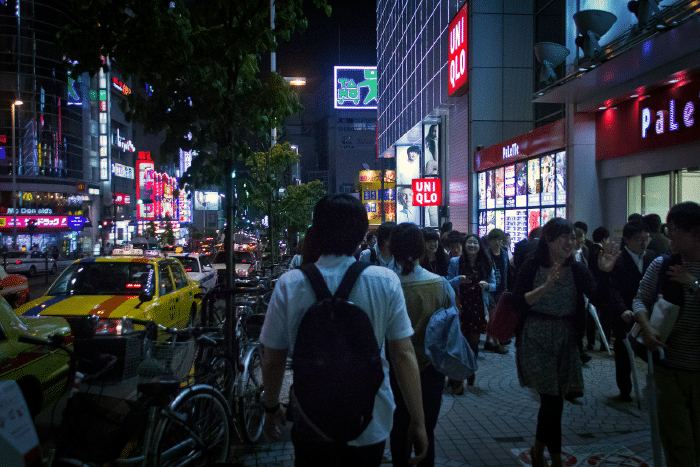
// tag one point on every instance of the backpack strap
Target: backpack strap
(318, 283)
(349, 280)
(373, 256)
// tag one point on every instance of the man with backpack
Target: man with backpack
(323, 405)
(380, 254)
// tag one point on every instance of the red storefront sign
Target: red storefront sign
(42, 222)
(547, 138)
(122, 198)
(658, 119)
(426, 191)
(457, 56)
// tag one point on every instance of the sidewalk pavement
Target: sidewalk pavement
(493, 424)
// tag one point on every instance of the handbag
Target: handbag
(446, 346)
(663, 318)
(504, 318)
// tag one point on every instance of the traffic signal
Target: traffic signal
(31, 226)
(107, 224)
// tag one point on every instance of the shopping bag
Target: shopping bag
(446, 346)
(504, 318)
(663, 318)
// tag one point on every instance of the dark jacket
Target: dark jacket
(621, 285)
(521, 251)
(585, 284)
(659, 244)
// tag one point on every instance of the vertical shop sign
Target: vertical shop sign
(457, 56)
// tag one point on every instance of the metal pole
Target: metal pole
(14, 183)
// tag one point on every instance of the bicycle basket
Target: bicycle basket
(171, 360)
(96, 428)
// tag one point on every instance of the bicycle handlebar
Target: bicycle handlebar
(195, 331)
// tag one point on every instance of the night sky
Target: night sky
(348, 37)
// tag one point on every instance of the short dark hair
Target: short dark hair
(633, 228)
(496, 234)
(413, 149)
(581, 225)
(370, 235)
(452, 237)
(600, 233)
(446, 227)
(430, 234)
(653, 222)
(535, 233)
(635, 217)
(684, 215)
(406, 245)
(339, 224)
(384, 232)
(550, 232)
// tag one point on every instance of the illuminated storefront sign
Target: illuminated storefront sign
(145, 170)
(355, 87)
(123, 171)
(45, 222)
(458, 53)
(427, 192)
(658, 119)
(121, 87)
(372, 195)
(186, 160)
(122, 198)
(122, 143)
(206, 200)
(103, 119)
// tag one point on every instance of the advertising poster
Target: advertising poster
(546, 215)
(482, 190)
(405, 210)
(510, 186)
(490, 190)
(371, 194)
(516, 225)
(431, 149)
(561, 212)
(499, 186)
(500, 219)
(407, 164)
(206, 200)
(533, 219)
(490, 221)
(521, 184)
(561, 177)
(534, 183)
(548, 180)
(431, 216)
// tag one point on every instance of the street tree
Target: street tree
(167, 238)
(196, 74)
(267, 176)
(297, 207)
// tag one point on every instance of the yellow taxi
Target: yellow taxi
(95, 294)
(40, 371)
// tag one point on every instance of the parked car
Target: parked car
(40, 372)
(198, 268)
(246, 265)
(95, 294)
(14, 288)
(29, 263)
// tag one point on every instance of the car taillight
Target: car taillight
(113, 327)
(135, 285)
(188, 269)
(19, 261)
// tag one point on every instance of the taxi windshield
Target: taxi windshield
(105, 278)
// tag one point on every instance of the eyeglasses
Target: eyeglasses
(472, 243)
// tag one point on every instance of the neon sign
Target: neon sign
(355, 87)
(673, 125)
(122, 171)
(122, 143)
(121, 87)
(458, 53)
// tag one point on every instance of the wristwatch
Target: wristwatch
(695, 288)
(267, 409)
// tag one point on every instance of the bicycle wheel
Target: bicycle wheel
(250, 410)
(197, 434)
(223, 377)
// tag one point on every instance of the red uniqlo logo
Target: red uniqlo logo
(426, 191)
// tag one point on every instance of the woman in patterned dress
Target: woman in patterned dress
(472, 277)
(550, 289)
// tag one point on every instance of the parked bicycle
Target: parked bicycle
(163, 423)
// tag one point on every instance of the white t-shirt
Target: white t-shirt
(377, 291)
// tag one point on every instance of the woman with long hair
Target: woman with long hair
(472, 277)
(550, 290)
(435, 259)
(424, 293)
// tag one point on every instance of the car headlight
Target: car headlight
(113, 327)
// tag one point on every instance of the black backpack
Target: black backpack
(336, 363)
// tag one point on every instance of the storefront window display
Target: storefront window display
(523, 195)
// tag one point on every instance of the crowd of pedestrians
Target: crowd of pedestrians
(569, 290)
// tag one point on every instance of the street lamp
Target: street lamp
(14, 178)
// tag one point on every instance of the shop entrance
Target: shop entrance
(657, 193)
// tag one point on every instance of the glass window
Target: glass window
(656, 196)
(179, 275)
(689, 189)
(190, 264)
(165, 281)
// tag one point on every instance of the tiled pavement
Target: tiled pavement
(494, 422)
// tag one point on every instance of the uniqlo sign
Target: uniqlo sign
(426, 191)
(457, 85)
